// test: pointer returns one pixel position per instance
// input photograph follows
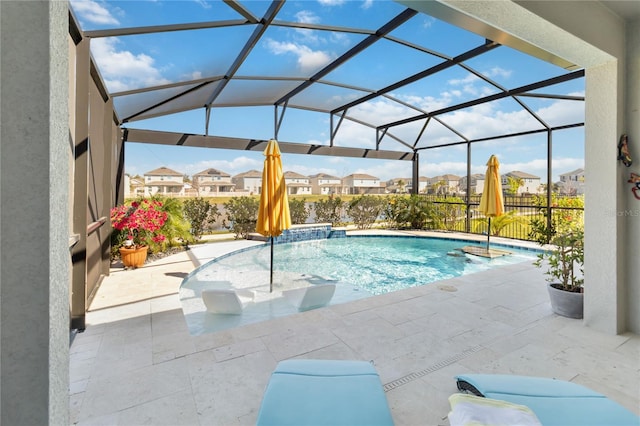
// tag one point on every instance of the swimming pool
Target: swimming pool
(360, 266)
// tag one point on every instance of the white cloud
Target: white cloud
(497, 72)
(307, 17)
(331, 2)
(308, 60)
(123, 69)
(94, 12)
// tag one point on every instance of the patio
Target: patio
(136, 363)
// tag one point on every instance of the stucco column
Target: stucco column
(34, 213)
(603, 270)
(631, 213)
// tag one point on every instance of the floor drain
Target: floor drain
(413, 376)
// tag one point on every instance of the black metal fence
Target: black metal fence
(462, 214)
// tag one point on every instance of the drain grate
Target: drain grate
(413, 376)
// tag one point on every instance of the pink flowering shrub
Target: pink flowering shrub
(139, 224)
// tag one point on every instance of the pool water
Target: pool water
(360, 267)
(376, 265)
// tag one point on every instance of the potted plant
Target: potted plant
(565, 261)
(138, 226)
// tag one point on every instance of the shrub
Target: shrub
(543, 228)
(241, 215)
(445, 212)
(199, 212)
(364, 210)
(414, 211)
(138, 224)
(299, 211)
(391, 211)
(329, 210)
(176, 228)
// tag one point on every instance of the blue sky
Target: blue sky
(146, 60)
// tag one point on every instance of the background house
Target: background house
(324, 184)
(163, 181)
(477, 183)
(297, 184)
(250, 182)
(572, 183)
(443, 184)
(212, 182)
(530, 184)
(360, 183)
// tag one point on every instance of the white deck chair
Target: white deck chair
(224, 301)
(313, 296)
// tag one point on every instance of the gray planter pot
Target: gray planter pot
(566, 303)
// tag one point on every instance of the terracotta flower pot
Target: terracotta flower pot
(133, 257)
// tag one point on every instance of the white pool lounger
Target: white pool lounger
(223, 301)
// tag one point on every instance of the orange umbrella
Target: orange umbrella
(491, 202)
(273, 213)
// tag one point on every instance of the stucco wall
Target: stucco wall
(34, 299)
(631, 216)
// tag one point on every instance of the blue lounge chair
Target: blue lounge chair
(555, 402)
(324, 392)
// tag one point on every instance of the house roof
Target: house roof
(324, 176)
(362, 176)
(212, 172)
(446, 177)
(294, 175)
(521, 175)
(163, 171)
(573, 172)
(249, 174)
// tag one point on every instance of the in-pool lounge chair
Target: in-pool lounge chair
(554, 402)
(324, 392)
(310, 297)
(224, 301)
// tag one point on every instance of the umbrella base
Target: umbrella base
(484, 252)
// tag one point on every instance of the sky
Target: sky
(140, 61)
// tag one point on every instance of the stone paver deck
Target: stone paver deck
(136, 363)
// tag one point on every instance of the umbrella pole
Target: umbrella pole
(489, 233)
(271, 277)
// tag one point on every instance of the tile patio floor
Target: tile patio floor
(136, 363)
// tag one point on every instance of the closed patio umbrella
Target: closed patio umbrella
(492, 202)
(273, 213)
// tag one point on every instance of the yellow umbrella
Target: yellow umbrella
(491, 202)
(273, 214)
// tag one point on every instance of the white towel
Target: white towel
(469, 410)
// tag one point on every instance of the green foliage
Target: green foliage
(514, 184)
(499, 223)
(329, 210)
(565, 260)
(391, 211)
(567, 214)
(446, 212)
(411, 212)
(199, 212)
(564, 231)
(364, 210)
(299, 211)
(241, 215)
(176, 228)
